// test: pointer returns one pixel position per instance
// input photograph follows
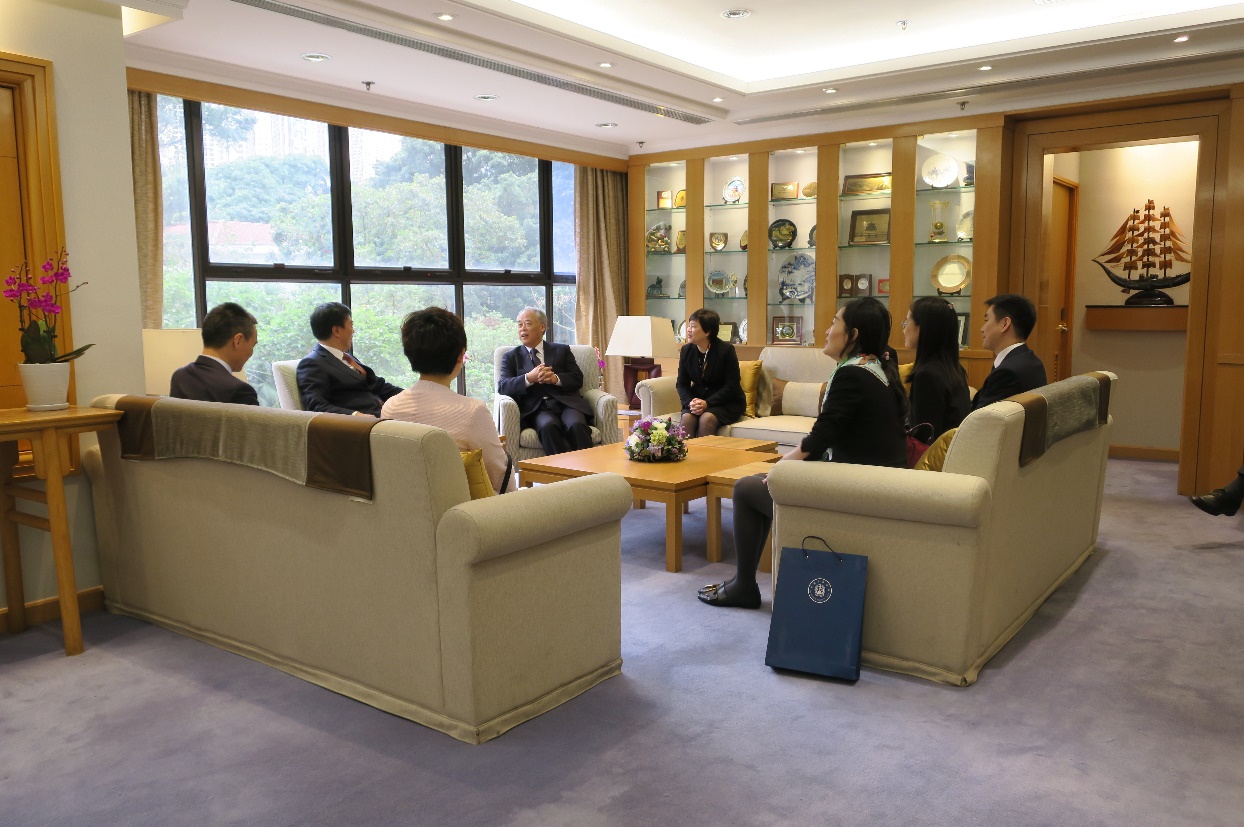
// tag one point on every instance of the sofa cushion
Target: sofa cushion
(788, 430)
(803, 398)
(778, 388)
(749, 376)
(477, 474)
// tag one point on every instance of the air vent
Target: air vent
(474, 60)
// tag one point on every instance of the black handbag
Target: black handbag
(818, 612)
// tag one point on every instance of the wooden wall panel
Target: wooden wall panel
(827, 172)
(636, 251)
(758, 248)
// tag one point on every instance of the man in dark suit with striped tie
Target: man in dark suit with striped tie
(329, 378)
(229, 338)
(544, 379)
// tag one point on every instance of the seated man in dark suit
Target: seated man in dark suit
(544, 379)
(229, 338)
(1009, 320)
(329, 378)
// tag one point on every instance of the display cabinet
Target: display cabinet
(726, 202)
(865, 192)
(665, 240)
(791, 244)
(944, 222)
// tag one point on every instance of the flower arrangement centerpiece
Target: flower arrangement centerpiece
(656, 440)
(39, 307)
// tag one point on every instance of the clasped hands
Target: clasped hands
(698, 406)
(541, 375)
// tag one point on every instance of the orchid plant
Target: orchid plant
(39, 307)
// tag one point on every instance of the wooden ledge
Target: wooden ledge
(1121, 317)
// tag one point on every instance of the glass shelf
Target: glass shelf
(866, 196)
(665, 298)
(725, 252)
(739, 206)
(659, 253)
(794, 306)
(945, 189)
(789, 201)
(668, 209)
(774, 250)
(861, 246)
(709, 297)
(942, 243)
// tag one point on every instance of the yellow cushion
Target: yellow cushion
(904, 371)
(934, 458)
(477, 474)
(749, 377)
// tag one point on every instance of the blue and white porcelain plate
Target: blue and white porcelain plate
(797, 277)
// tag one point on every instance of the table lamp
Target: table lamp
(639, 339)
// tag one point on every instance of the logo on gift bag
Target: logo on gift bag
(820, 590)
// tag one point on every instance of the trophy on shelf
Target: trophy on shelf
(937, 226)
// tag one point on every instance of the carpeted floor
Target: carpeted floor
(1121, 702)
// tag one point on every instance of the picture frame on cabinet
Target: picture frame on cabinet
(881, 287)
(869, 227)
(665, 199)
(846, 285)
(965, 329)
(784, 191)
(726, 332)
(680, 199)
(870, 183)
(787, 330)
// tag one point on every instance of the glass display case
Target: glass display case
(726, 198)
(945, 219)
(792, 247)
(864, 193)
(665, 240)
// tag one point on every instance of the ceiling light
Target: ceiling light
(902, 24)
(829, 90)
(734, 157)
(872, 143)
(606, 125)
(315, 57)
(445, 17)
(485, 97)
(798, 151)
(1183, 38)
(605, 65)
(736, 14)
(985, 68)
(718, 100)
(954, 134)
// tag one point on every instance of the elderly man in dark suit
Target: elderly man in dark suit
(1009, 320)
(544, 379)
(329, 378)
(229, 338)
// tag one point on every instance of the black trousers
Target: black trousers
(560, 428)
(753, 516)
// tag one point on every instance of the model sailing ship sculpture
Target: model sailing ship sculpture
(1146, 248)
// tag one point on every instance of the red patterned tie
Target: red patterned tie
(349, 360)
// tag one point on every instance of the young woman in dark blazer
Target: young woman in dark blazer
(708, 377)
(861, 422)
(937, 384)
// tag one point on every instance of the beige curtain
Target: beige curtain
(148, 205)
(600, 238)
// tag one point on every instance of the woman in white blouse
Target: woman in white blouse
(434, 342)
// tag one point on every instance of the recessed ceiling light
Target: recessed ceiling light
(736, 14)
(485, 97)
(605, 65)
(829, 90)
(445, 17)
(734, 157)
(718, 100)
(606, 125)
(954, 134)
(872, 143)
(902, 24)
(985, 68)
(1183, 38)
(798, 151)
(315, 57)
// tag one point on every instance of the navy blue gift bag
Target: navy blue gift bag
(818, 610)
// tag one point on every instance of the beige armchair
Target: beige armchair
(524, 443)
(285, 376)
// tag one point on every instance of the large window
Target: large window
(280, 214)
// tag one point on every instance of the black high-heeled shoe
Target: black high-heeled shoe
(1220, 502)
(739, 597)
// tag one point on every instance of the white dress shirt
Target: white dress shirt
(997, 360)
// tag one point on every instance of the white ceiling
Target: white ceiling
(670, 59)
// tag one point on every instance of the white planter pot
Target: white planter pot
(47, 386)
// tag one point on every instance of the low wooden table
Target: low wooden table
(49, 433)
(735, 443)
(672, 483)
(721, 484)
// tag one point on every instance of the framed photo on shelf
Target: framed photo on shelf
(784, 192)
(965, 329)
(881, 287)
(726, 332)
(869, 227)
(665, 199)
(846, 284)
(872, 183)
(787, 330)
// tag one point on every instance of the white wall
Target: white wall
(1148, 399)
(82, 39)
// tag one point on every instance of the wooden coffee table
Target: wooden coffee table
(735, 443)
(672, 483)
(721, 484)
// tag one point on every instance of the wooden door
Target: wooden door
(12, 246)
(1059, 260)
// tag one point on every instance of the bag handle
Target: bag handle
(803, 546)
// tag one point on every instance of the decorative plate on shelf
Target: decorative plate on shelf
(812, 236)
(682, 332)
(743, 241)
(743, 331)
(717, 241)
(809, 190)
(733, 191)
(797, 278)
(966, 227)
(720, 282)
(951, 274)
(940, 171)
(782, 233)
(658, 238)
(682, 289)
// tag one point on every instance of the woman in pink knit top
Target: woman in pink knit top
(434, 341)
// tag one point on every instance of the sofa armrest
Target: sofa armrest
(508, 416)
(605, 409)
(931, 497)
(487, 528)
(659, 396)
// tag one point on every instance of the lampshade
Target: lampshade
(644, 336)
(167, 349)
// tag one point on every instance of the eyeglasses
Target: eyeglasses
(903, 324)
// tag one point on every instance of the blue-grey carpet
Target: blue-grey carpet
(1121, 702)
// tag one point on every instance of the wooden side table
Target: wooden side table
(48, 433)
(721, 484)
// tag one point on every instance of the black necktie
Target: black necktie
(535, 357)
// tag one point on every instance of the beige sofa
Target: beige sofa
(959, 560)
(469, 617)
(659, 396)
